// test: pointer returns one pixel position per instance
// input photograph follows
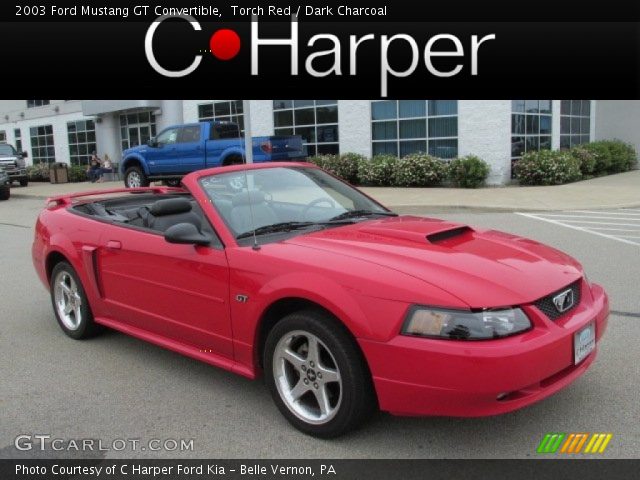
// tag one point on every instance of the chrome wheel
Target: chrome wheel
(134, 180)
(68, 300)
(307, 377)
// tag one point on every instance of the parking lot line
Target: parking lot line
(568, 220)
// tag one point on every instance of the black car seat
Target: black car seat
(251, 205)
(171, 211)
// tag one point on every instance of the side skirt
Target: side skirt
(186, 350)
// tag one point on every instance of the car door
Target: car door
(179, 292)
(190, 149)
(162, 157)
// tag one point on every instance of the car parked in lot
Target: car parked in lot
(181, 149)
(12, 162)
(5, 185)
(343, 306)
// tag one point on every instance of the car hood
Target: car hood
(483, 268)
(136, 149)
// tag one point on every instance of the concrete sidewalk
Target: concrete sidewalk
(613, 191)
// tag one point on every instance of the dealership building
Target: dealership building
(498, 131)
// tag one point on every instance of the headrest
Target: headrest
(170, 206)
(245, 198)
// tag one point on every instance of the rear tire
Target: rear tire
(5, 193)
(172, 183)
(70, 303)
(134, 177)
(317, 376)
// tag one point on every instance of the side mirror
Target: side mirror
(185, 233)
(153, 142)
(24, 154)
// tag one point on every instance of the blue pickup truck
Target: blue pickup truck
(181, 149)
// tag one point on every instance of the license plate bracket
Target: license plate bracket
(584, 342)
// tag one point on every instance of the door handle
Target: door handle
(114, 245)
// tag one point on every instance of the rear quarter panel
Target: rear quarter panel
(72, 236)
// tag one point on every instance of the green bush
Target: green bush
(419, 170)
(612, 156)
(326, 162)
(344, 166)
(347, 166)
(77, 173)
(587, 158)
(38, 172)
(601, 152)
(468, 172)
(379, 171)
(623, 156)
(548, 167)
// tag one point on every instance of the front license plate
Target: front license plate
(584, 342)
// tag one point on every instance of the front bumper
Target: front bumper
(420, 376)
(17, 173)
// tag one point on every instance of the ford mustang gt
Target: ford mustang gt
(343, 306)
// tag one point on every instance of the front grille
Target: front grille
(547, 306)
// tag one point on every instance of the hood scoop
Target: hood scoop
(435, 235)
(442, 235)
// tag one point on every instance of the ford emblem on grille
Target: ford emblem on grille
(564, 300)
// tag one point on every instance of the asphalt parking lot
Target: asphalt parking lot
(116, 387)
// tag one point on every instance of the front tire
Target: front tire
(134, 177)
(70, 303)
(24, 182)
(5, 193)
(317, 376)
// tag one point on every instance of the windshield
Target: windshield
(285, 199)
(6, 150)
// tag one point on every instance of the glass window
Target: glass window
(37, 103)
(136, 129)
(82, 141)
(222, 111)
(415, 126)
(530, 127)
(285, 192)
(316, 121)
(189, 134)
(168, 137)
(575, 122)
(42, 145)
(18, 136)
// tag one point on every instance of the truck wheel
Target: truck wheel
(134, 177)
(5, 193)
(24, 182)
(172, 183)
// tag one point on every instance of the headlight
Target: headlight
(464, 324)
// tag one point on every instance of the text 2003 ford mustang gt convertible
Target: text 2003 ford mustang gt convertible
(345, 306)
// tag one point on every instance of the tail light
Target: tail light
(266, 147)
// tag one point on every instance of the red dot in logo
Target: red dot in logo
(224, 44)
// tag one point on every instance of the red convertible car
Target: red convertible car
(343, 306)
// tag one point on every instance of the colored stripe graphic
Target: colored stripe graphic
(550, 442)
(573, 443)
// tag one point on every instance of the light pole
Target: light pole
(248, 142)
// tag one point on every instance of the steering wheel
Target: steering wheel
(315, 202)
